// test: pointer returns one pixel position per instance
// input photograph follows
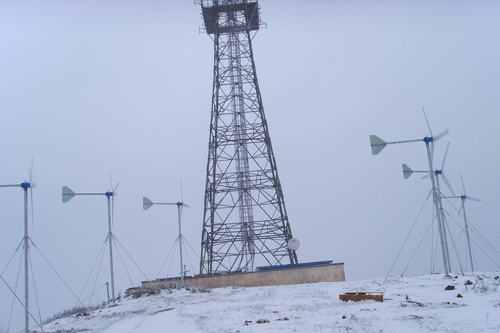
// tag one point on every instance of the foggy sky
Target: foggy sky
(93, 87)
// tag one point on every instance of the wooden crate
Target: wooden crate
(362, 296)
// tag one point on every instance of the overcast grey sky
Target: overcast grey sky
(93, 87)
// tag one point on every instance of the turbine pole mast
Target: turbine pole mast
(467, 234)
(146, 204)
(436, 199)
(68, 194)
(179, 211)
(110, 240)
(464, 198)
(25, 187)
(377, 144)
(443, 220)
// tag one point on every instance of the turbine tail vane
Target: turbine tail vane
(377, 144)
(407, 172)
(67, 194)
(146, 203)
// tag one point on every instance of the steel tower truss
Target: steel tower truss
(245, 221)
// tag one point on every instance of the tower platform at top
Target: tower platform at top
(230, 16)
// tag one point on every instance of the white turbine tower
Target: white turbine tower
(377, 144)
(25, 186)
(146, 204)
(68, 194)
(464, 197)
(407, 172)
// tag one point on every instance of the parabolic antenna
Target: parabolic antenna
(293, 244)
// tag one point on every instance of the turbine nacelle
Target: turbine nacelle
(27, 185)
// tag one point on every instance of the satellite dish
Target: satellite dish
(293, 244)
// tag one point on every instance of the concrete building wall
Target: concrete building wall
(299, 275)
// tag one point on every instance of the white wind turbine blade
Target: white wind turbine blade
(32, 185)
(113, 204)
(110, 182)
(463, 186)
(432, 136)
(434, 139)
(442, 172)
(464, 196)
(447, 184)
(440, 135)
(427, 121)
(445, 154)
(182, 199)
(113, 194)
(465, 193)
(182, 194)
(461, 206)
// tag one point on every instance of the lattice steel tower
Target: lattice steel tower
(245, 221)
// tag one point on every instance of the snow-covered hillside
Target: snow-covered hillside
(417, 304)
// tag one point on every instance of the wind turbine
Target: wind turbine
(68, 194)
(25, 186)
(464, 198)
(146, 204)
(407, 172)
(377, 144)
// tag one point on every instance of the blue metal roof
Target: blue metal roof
(305, 264)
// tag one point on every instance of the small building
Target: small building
(312, 272)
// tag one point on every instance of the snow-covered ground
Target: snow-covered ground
(416, 304)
